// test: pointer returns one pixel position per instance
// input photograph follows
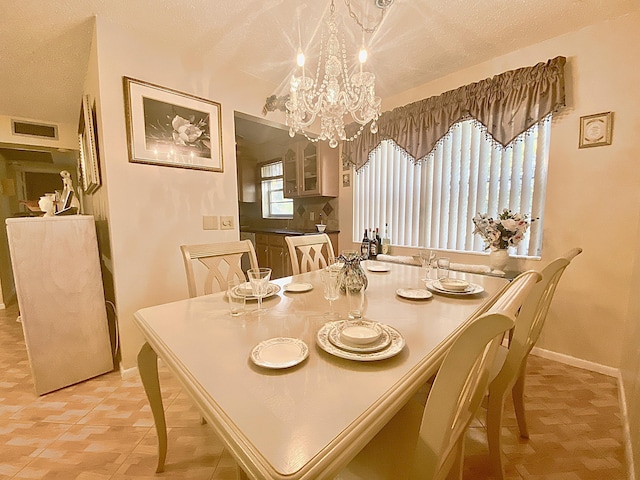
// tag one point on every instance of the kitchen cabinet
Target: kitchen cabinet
(273, 253)
(311, 170)
(247, 181)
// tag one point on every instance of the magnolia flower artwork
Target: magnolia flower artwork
(183, 133)
(507, 230)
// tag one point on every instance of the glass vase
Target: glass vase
(352, 273)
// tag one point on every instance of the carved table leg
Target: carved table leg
(148, 367)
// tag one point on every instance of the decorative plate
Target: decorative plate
(395, 347)
(297, 287)
(378, 267)
(414, 293)
(434, 286)
(281, 352)
(244, 290)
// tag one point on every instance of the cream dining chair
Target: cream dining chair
(508, 372)
(309, 252)
(222, 262)
(426, 442)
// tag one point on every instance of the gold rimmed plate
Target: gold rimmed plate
(435, 286)
(278, 353)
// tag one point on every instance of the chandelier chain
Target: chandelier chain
(353, 15)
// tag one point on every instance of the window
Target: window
(274, 205)
(431, 203)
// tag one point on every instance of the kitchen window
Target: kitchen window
(274, 205)
(431, 203)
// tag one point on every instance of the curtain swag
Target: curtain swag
(507, 105)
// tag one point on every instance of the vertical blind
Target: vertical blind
(431, 203)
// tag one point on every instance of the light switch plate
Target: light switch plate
(209, 222)
(312, 216)
(226, 223)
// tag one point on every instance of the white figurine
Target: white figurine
(67, 185)
(47, 205)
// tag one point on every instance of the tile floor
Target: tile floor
(102, 428)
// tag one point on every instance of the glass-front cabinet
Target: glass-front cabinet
(311, 169)
(290, 163)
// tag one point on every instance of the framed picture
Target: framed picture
(595, 130)
(171, 128)
(88, 142)
(346, 180)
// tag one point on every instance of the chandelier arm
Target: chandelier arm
(352, 14)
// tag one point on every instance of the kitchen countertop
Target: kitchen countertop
(284, 231)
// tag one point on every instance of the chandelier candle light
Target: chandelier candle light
(336, 94)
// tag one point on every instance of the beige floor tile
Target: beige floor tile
(102, 428)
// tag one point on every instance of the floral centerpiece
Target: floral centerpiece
(506, 231)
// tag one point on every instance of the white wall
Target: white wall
(592, 194)
(152, 210)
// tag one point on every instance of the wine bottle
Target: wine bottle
(373, 246)
(364, 247)
(378, 241)
(386, 241)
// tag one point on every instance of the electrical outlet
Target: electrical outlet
(209, 222)
(312, 216)
(226, 223)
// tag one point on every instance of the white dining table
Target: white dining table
(307, 421)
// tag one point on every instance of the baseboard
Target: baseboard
(576, 362)
(626, 432)
(127, 373)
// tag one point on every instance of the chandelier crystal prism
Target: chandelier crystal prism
(333, 96)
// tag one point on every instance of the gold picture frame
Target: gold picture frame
(596, 130)
(89, 159)
(171, 128)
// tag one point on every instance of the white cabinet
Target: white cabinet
(311, 170)
(61, 299)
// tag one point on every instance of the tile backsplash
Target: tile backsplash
(323, 209)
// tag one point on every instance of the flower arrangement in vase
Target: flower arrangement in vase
(507, 230)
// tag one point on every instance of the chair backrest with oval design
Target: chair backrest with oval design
(222, 262)
(426, 442)
(309, 252)
(508, 373)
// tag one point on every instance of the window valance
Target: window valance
(506, 105)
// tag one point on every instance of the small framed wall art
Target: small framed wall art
(346, 180)
(171, 128)
(596, 130)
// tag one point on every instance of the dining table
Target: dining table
(304, 419)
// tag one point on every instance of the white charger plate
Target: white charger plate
(414, 293)
(281, 352)
(244, 290)
(395, 347)
(435, 286)
(298, 287)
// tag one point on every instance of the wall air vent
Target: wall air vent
(30, 129)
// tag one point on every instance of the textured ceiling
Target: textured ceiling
(44, 44)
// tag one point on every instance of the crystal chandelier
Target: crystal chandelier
(335, 94)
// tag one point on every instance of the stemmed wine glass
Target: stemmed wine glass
(427, 259)
(331, 290)
(259, 280)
